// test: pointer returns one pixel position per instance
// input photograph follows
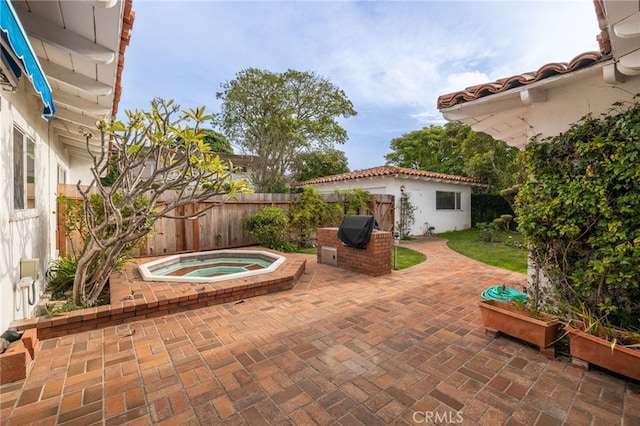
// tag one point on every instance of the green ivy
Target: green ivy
(406, 216)
(311, 213)
(353, 200)
(579, 211)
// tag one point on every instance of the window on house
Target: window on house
(448, 200)
(24, 171)
(62, 175)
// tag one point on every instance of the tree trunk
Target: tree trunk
(83, 272)
(93, 272)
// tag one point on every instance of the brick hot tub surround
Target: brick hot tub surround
(133, 299)
(374, 260)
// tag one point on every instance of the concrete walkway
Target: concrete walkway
(340, 348)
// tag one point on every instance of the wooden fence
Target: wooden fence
(220, 227)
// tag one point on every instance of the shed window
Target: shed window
(448, 200)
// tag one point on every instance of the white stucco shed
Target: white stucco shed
(441, 201)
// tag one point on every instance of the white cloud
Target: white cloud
(460, 81)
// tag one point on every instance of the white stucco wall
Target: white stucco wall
(25, 234)
(567, 103)
(422, 195)
(79, 170)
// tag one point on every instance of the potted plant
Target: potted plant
(593, 340)
(521, 316)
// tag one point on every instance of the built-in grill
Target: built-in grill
(355, 231)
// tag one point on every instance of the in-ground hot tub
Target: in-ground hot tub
(211, 266)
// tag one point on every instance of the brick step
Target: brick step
(16, 361)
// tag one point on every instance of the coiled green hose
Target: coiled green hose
(502, 293)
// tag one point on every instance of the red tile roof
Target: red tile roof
(391, 171)
(549, 70)
(583, 60)
(125, 37)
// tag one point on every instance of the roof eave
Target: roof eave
(522, 95)
(502, 115)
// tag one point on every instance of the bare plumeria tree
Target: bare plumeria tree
(161, 163)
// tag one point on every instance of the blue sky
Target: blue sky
(392, 58)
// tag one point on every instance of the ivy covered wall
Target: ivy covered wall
(579, 210)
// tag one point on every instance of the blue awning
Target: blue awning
(13, 33)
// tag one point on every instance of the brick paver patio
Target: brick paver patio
(340, 348)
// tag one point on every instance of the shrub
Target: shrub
(59, 308)
(308, 215)
(507, 218)
(60, 275)
(486, 207)
(268, 228)
(488, 231)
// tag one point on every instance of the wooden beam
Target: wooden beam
(105, 4)
(50, 33)
(78, 119)
(629, 27)
(90, 108)
(629, 64)
(532, 96)
(79, 140)
(72, 78)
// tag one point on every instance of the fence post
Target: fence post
(196, 229)
(61, 235)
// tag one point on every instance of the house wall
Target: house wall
(79, 170)
(422, 195)
(25, 234)
(245, 175)
(568, 103)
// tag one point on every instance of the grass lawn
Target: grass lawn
(503, 253)
(308, 250)
(406, 258)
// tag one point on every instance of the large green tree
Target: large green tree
(217, 142)
(277, 116)
(315, 164)
(427, 149)
(456, 149)
(486, 158)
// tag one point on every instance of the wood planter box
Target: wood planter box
(514, 322)
(596, 350)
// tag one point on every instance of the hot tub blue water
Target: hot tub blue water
(210, 266)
